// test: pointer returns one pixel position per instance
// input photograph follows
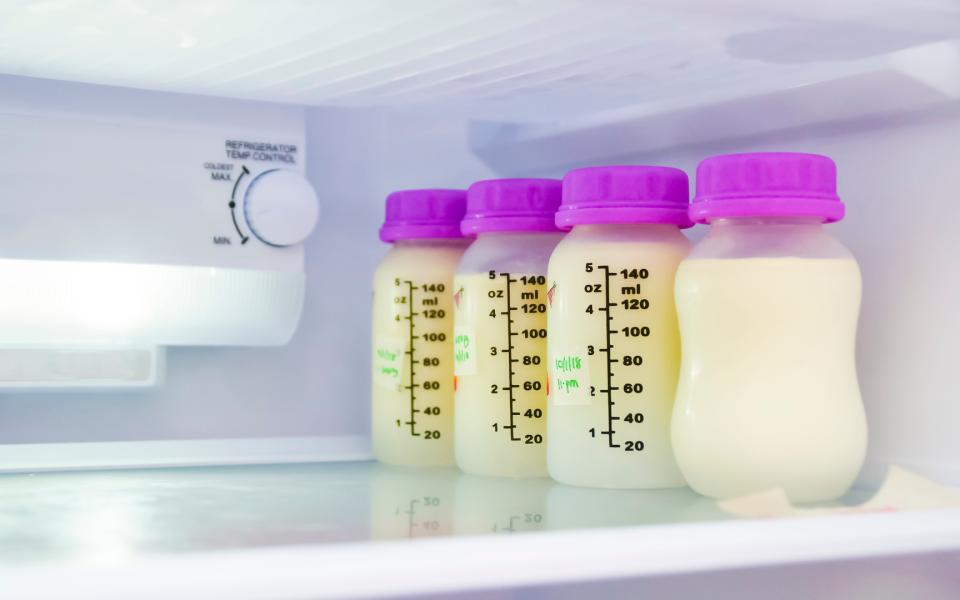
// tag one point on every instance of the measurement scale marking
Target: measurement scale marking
(511, 386)
(413, 382)
(412, 511)
(608, 318)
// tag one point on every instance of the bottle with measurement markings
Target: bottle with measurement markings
(768, 304)
(412, 411)
(500, 327)
(614, 347)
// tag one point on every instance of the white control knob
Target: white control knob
(280, 207)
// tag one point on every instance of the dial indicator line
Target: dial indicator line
(233, 206)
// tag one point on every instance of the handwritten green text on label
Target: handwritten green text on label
(388, 361)
(464, 351)
(571, 379)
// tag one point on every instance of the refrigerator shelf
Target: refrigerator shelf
(360, 529)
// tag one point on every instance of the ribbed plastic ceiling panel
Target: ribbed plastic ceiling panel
(530, 60)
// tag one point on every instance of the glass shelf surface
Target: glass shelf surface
(105, 517)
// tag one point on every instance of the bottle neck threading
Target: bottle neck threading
(625, 227)
(435, 242)
(772, 221)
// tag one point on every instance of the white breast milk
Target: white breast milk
(768, 395)
(768, 303)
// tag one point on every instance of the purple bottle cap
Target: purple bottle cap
(625, 194)
(512, 205)
(423, 214)
(767, 184)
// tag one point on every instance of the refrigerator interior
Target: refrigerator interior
(385, 96)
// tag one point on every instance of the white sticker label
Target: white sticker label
(388, 361)
(569, 379)
(464, 351)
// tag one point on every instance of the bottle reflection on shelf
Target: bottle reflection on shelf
(411, 502)
(500, 505)
(570, 507)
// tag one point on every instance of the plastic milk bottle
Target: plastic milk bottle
(768, 304)
(412, 412)
(614, 347)
(500, 327)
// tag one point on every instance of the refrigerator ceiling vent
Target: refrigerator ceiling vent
(532, 60)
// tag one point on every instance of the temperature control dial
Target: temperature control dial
(280, 207)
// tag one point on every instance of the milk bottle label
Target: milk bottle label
(570, 378)
(464, 351)
(388, 361)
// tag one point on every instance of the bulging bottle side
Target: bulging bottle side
(768, 304)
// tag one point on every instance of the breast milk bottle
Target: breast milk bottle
(500, 337)
(768, 305)
(412, 413)
(614, 348)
